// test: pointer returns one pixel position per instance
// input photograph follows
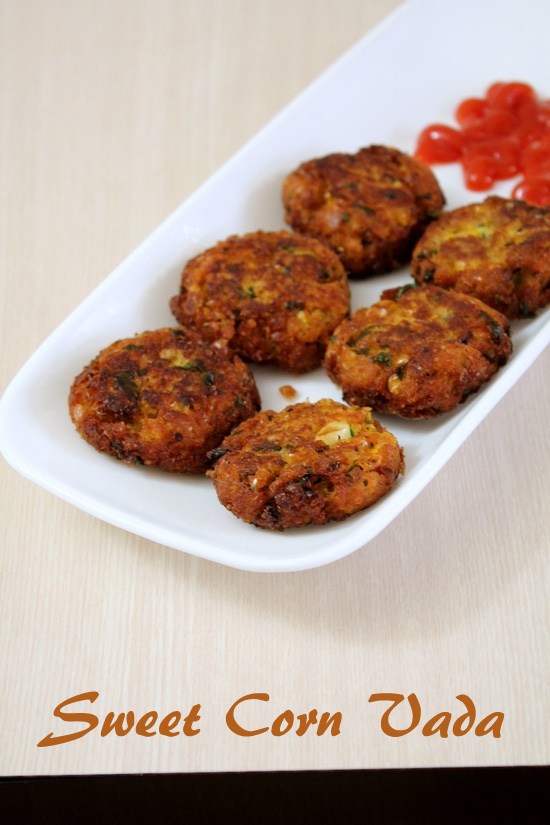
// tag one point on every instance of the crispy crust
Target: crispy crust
(274, 296)
(162, 398)
(497, 250)
(278, 471)
(370, 207)
(417, 352)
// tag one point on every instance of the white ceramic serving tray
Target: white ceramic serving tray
(410, 71)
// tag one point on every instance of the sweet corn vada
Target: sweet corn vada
(418, 352)
(309, 464)
(162, 398)
(369, 207)
(274, 296)
(497, 250)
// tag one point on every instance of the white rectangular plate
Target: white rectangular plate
(410, 71)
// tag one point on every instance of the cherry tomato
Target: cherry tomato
(469, 111)
(535, 158)
(543, 113)
(510, 96)
(501, 156)
(494, 123)
(530, 130)
(493, 89)
(499, 136)
(479, 172)
(533, 190)
(527, 110)
(439, 143)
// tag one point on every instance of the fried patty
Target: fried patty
(497, 250)
(162, 398)
(370, 207)
(417, 352)
(309, 464)
(274, 296)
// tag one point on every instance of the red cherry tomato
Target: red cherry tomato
(469, 111)
(500, 156)
(510, 96)
(530, 130)
(533, 190)
(501, 135)
(479, 173)
(543, 113)
(493, 89)
(535, 158)
(494, 123)
(439, 143)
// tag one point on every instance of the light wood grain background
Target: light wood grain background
(111, 113)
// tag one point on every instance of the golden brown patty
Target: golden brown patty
(417, 352)
(309, 464)
(497, 250)
(275, 296)
(370, 207)
(162, 398)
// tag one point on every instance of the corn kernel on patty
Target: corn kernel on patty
(369, 207)
(309, 464)
(162, 398)
(497, 250)
(417, 352)
(275, 296)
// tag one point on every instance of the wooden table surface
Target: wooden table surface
(111, 114)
